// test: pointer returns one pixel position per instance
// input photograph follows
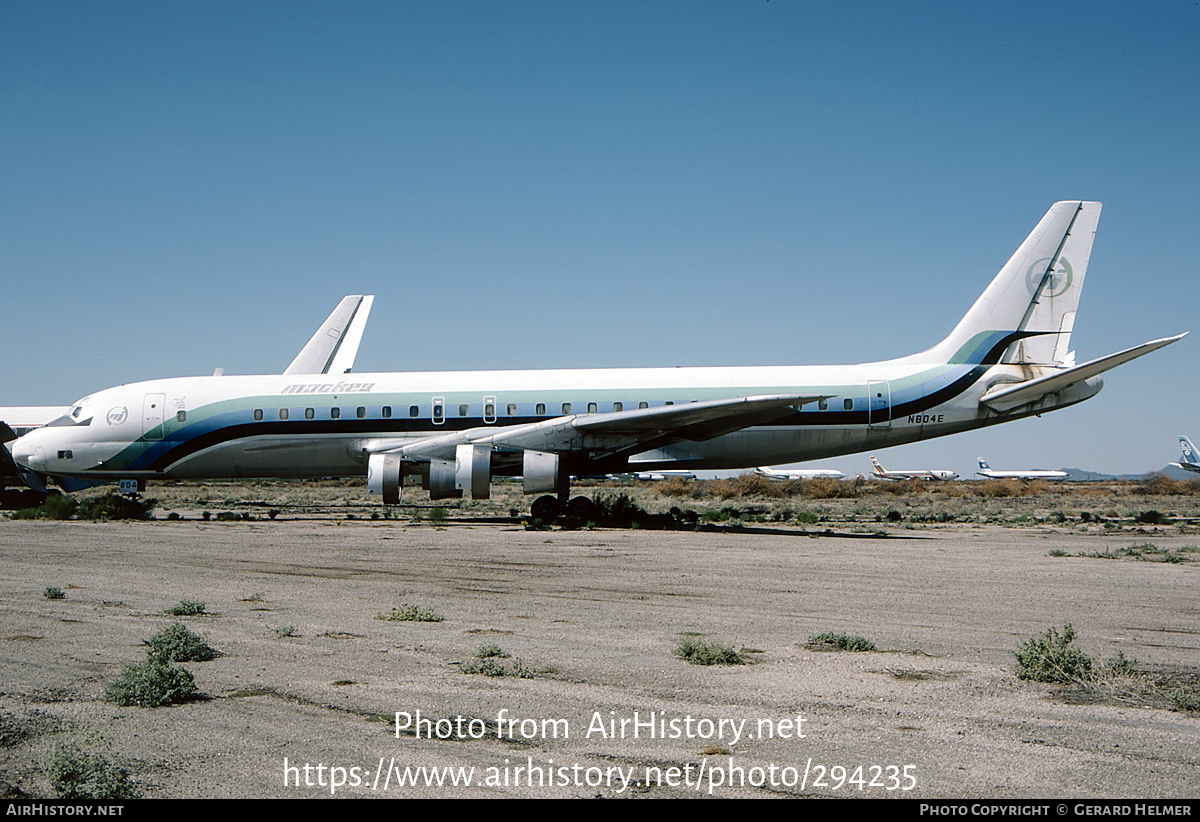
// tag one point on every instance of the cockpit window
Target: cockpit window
(79, 415)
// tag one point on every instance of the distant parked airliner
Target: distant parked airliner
(992, 473)
(920, 473)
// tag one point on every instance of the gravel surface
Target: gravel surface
(594, 617)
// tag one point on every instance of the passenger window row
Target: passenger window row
(438, 411)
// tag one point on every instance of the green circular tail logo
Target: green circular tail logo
(1060, 277)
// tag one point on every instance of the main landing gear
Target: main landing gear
(548, 508)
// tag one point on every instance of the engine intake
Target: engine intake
(385, 476)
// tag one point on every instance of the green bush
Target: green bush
(489, 666)
(76, 772)
(404, 612)
(178, 644)
(115, 506)
(484, 667)
(620, 509)
(1185, 699)
(55, 506)
(701, 652)
(153, 683)
(1049, 657)
(1152, 517)
(841, 642)
(53, 593)
(187, 607)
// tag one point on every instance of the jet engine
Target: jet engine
(542, 472)
(385, 476)
(441, 480)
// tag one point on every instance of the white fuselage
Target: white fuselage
(318, 425)
(994, 474)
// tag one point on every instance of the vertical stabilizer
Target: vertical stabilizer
(1033, 300)
(1188, 459)
(333, 348)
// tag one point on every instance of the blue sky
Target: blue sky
(192, 185)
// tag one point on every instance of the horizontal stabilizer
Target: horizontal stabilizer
(1006, 397)
(333, 348)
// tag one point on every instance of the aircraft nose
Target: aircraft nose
(29, 455)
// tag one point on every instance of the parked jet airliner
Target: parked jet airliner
(656, 476)
(797, 473)
(992, 473)
(921, 473)
(1007, 359)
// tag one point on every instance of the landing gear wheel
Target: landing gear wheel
(582, 508)
(545, 508)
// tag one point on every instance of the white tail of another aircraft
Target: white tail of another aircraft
(1187, 461)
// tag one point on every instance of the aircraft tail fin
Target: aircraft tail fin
(1026, 314)
(983, 466)
(1189, 454)
(332, 349)
(879, 469)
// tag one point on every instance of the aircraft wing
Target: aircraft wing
(333, 348)
(1008, 396)
(610, 434)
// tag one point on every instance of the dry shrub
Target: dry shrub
(1000, 488)
(1157, 484)
(956, 490)
(1039, 487)
(825, 488)
(756, 486)
(677, 487)
(901, 488)
(747, 485)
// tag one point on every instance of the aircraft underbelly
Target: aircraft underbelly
(288, 458)
(769, 445)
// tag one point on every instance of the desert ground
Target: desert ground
(315, 695)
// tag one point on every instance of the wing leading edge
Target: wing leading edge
(613, 433)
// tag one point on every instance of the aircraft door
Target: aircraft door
(879, 404)
(152, 416)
